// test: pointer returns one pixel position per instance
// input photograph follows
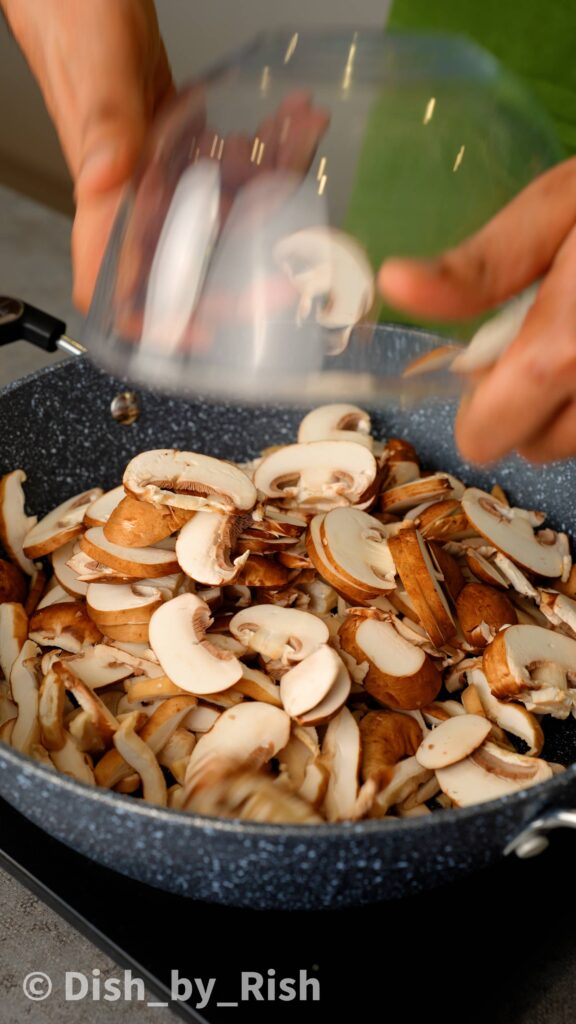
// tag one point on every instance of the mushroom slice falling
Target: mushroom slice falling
(437, 487)
(177, 635)
(189, 480)
(307, 685)
(400, 674)
(341, 753)
(490, 772)
(338, 422)
(139, 562)
(511, 530)
(250, 733)
(493, 338)
(524, 658)
(14, 523)
(452, 741)
(61, 525)
(134, 523)
(356, 545)
(416, 570)
(319, 475)
(204, 546)
(279, 634)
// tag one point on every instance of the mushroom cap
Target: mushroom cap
(138, 562)
(177, 634)
(511, 531)
(318, 475)
(479, 605)
(277, 633)
(337, 422)
(61, 525)
(67, 626)
(513, 657)
(134, 523)
(204, 546)
(14, 523)
(452, 741)
(13, 585)
(189, 480)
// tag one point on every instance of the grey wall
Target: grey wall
(196, 34)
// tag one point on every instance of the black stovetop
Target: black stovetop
(499, 947)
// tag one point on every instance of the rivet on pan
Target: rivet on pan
(125, 408)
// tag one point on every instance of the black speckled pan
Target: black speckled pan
(56, 425)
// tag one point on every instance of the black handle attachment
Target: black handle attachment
(22, 322)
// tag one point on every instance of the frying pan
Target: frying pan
(57, 425)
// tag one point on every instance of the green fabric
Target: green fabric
(533, 38)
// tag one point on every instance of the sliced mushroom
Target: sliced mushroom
(67, 626)
(513, 718)
(99, 512)
(230, 790)
(136, 753)
(13, 634)
(482, 612)
(103, 720)
(434, 488)
(338, 422)
(449, 571)
(174, 754)
(558, 608)
(14, 523)
(489, 773)
(51, 711)
(70, 760)
(417, 573)
(250, 733)
(204, 548)
(99, 666)
(485, 570)
(134, 523)
(493, 338)
(408, 776)
(400, 674)
(442, 520)
(111, 604)
(24, 685)
(188, 480)
(356, 546)
(279, 634)
(387, 738)
(35, 592)
(66, 576)
(401, 461)
(452, 741)
(320, 475)
(306, 685)
(13, 585)
(333, 275)
(156, 731)
(511, 662)
(511, 530)
(177, 633)
(60, 526)
(201, 718)
(263, 571)
(128, 632)
(258, 686)
(341, 753)
(139, 562)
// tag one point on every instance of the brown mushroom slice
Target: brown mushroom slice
(558, 608)
(258, 686)
(320, 475)
(60, 526)
(452, 741)
(325, 567)
(138, 755)
(204, 546)
(515, 576)
(400, 674)
(99, 512)
(177, 633)
(70, 760)
(357, 546)
(441, 711)
(24, 685)
(442, 520)
(448, 570)
(14, 523)
(341, 754)
(111, 604)
(87, 570)
(8, 708)
(407, 778)
(387, 738)
(483, 611)
(309, 682)
(337, 422)
(64, 574)
(416, 570)
(439, 358)
(437, 487)
(262, 571)
(252, 733)
(174, 754)
(51, 711)
(231, 790)
(134, 523)
(128, 632)
(13, 583)
(189, 480)
(485, 570)
(140, 562)
(512, 661)
(280, 634)
(513, 718)
(13, 634)
(401, 461)
(67, 626)
(511, 531)
(490, 772)
(104, 721)
(156, 731)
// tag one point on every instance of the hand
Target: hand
(103, 72)
(527, 401)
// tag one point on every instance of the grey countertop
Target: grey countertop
(35, 266)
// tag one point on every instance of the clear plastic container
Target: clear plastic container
(243, 258)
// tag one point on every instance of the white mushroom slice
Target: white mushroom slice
(60, 526)
(320, 475)
(13, 634)
(139, 656)
(189, 480)
(66, 576)
(452, 741)
(442, 711)
(103, 720)
(14, 523)
(51, 704)
(70, 760)
(489, 773)
(24, 685)
(323, 598)
(144, 688)
(310, 681)
(333, 275)
(341, 754)
(558, 608)
(357, 546)
(511, 531)
(417, 573)
(204, 545)
(252, 732)
(485, 570)
(511, 662)
(433, 488)
(456, 679)
(177, 635)
(332, 702)
(493, 338)
(174, 755)
(136, 752)
(156, 731)
(513, 718)
(515, 576)
(139, 562)
(338, 422)
(99, 512)
(408, 776)
(112, 604)
(67, 626)
(54, 595)
(324, 567)
(279, 634)
(258, 686)
(201, 718)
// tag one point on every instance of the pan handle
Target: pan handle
(21, 322)
(533, 839)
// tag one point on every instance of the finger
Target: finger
(558, 440)
(299, 142)
(515, 247)
(534, 379)
(92, 225)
